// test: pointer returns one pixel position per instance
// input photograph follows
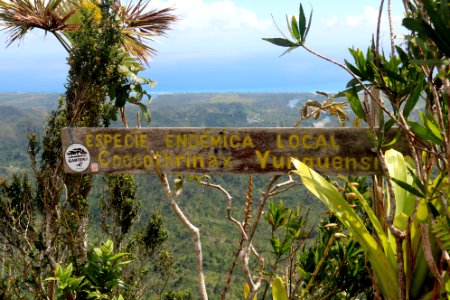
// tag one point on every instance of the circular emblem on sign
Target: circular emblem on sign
(77, 157)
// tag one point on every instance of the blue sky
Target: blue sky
(216, 46)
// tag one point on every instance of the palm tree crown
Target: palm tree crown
(60, 17)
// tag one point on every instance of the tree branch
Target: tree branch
(193, 229)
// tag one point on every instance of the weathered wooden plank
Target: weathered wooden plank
(330, 151)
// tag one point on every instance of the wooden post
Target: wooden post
(378, 196)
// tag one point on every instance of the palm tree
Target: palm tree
(139, 26)
(61, 17)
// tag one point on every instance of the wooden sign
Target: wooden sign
(329, 151)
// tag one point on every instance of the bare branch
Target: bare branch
(193, 229)
(380, 13)
(283, 187)
(428, 253)
(391, 27)
(229, 206)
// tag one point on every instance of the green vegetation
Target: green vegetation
(205, 208)
(101, 276)
(44, 222)
(404, 237)
(386, 241)
(29, 113)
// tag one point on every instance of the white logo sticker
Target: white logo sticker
(77, 157)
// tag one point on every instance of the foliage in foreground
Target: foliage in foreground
(409, 215)
(100, 278)
(44, 221)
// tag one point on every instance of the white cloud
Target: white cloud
(219, 30)
(369, 17)
(337, 31)
(331, 22)
(197, 16)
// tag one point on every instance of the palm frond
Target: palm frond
(20, 16)
(140, 26)
(60, 17)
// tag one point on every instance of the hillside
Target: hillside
(206, 208)
(24, 112)
(16, 123)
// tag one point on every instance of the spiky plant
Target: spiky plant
(140, 26)
(21, 16)
(62, 17)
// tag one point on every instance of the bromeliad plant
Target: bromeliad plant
(381, 251)
(408, 88)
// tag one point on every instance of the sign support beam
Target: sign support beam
(330, 151)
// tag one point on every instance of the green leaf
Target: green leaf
(278, 289)
(401, 221)
(355, 104)
(117, 256)
(375, 222)
(394, 76)
(281, 42)
(413, 25)
(442, 231)
(385, 272)
(107, 248)
(433, 209)
(352, 83)
(308, 26)
(279, 247)
(431, 62)
(146, 115)
(122, 95)
(353, 69)
(417, 182)
(360, 62)
(289, 26)
(403, 56)
(422, 132)
(302, 23)
(69, 270)
(412, 100)
(289, 50)
(394, 140)
(388, 125)
(431, 124)
(294, 32)
(408, 188)
(98, 252)
(397, 167)
(439, 31)
(418, 42)
(123, 263)
(151, 83)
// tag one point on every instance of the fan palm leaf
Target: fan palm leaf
(61, 17)
(21, 16)
(140, 26)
